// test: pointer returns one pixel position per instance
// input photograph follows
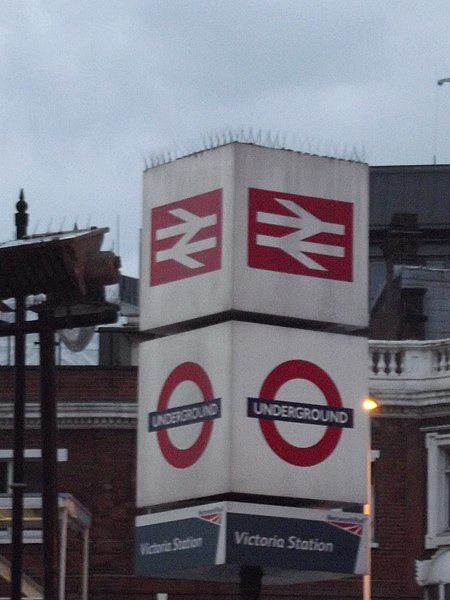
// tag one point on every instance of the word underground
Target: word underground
(297, 412)
(184, 415)
(291, 543)
(176, 544)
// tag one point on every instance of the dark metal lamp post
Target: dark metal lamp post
(71, 270)
(18, 486)
(250, 582)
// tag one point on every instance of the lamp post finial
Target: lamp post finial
(21, 216)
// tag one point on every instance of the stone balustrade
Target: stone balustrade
(409, 359)
(411, 374)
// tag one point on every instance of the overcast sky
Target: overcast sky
(90, 88)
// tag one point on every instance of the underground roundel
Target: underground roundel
(300, 235)
(332, 417)
(203, 412)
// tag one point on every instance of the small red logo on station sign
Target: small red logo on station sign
(301, 235)
(186, 238)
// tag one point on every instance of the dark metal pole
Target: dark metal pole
(250, 582)
(49, 449)
(18, 485)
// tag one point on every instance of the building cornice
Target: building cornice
(406, 403)
(78, 415)
(412, 411)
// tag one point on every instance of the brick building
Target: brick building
(409, 373)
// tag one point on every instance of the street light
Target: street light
(440, 83)
(370, 404)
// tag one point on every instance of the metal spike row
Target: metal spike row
(281, 140)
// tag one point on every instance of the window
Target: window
(438, 490)
(432, 592)
(4, 477)
(32, 470)
(439, 591)
(446, 468)
(377, 279)
(32, 476)
(33, 479)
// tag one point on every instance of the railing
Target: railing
(30, 589)
(409, 359)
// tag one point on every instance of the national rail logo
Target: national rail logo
(300, 235)
(186, 238)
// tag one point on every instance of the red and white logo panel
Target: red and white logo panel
(301, 235)
(204, 412)
(186, 238)
(335, 414)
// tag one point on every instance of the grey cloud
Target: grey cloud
(88, 88)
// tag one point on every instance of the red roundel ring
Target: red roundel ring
(296, 455)
(186, 457)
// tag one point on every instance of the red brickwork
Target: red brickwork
(100, 473)
(399, 475)
(77, 383)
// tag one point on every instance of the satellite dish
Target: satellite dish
(76, 339)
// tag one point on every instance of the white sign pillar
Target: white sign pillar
(254, 299)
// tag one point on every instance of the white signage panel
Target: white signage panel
(247, 228)
(187, 239)
(253, 409)
(184, 416)
(302, 430)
